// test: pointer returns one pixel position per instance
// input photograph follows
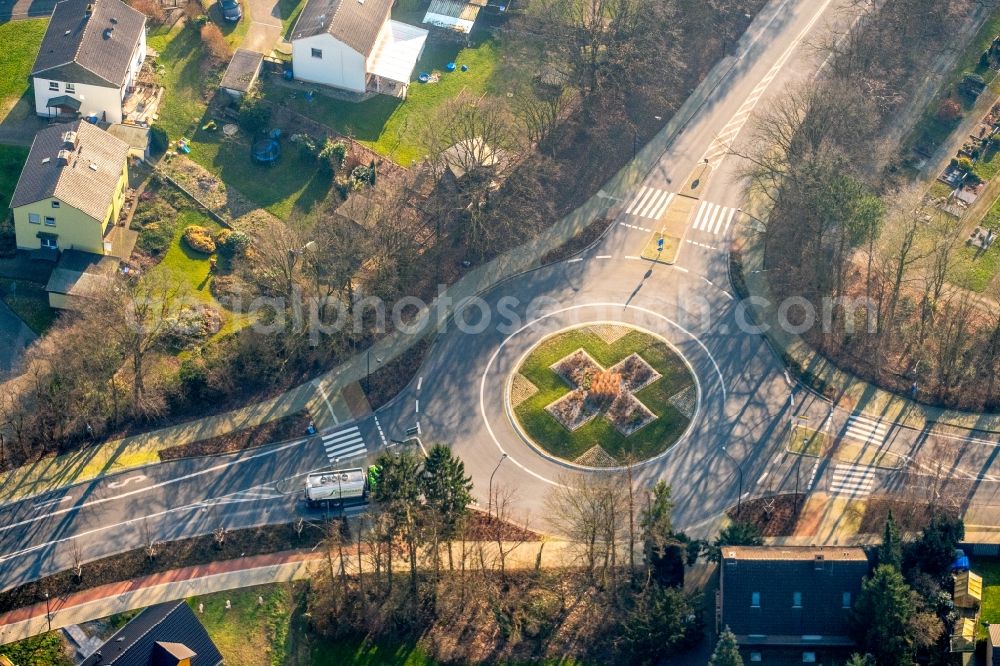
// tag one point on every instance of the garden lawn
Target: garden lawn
(645, 443)
(21, 40)
(293, 184)
(45, 649)
(12, 160)
(990, 609)
(30, 302)
(974, 272)
(182, 264)
(392, 126)
(180, 52)
(251, 634)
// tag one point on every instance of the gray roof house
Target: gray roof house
(89, 59)
(790, 601)
(167, 634)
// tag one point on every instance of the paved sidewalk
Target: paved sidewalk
(320, 395)
(281, 567)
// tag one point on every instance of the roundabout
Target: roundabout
(602, 395)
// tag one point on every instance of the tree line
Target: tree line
(845, 225)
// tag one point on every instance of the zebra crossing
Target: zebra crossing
(713, 218)
(344, 444)
(650, 203)
(852, 480)
(866, 430)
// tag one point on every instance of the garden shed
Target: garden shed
(242, 72)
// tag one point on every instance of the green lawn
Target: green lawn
(21, 40)
(393, 126)
(180, 73)
(43, 650)
(974, 272)
(990, 608)
(294, 183)
(289, 11)
(11, 161)
(30, 302)
(181, 263)
(369, 653)
(647, 442)
(989, 164)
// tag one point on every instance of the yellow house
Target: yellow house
(71, 192)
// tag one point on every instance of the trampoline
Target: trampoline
(266, 151)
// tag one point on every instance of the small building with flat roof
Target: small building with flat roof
(242, 72)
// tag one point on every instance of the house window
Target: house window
(50, 221)
(55, 204)
(845, 600)
(756, 657)
(808, 657)
(71, 87)
(317, 53)
(755, 600)
(54, 85)
(796, 600)
(34, 218)
(48, 241)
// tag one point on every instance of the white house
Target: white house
(354, 45)
(89, 59)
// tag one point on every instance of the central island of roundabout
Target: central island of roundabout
(602, 395)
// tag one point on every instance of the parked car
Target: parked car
(231, 10)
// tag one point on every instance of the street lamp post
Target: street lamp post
(48, 612)
(739, 468)
(340, 487)
(489, 501)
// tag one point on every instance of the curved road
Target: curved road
(746, 401)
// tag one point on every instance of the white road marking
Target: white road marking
(381, 433)
(161, 484)
(713, 218)
(319, 385)
(707, 247)
(344, 444)
(420, 381)
(417, 408)
(138, 478)
(631, 256)
(603, 256)
(852, 480)
(650, 203)
(866, 430)
(573, 261)
(60, 500)
(637, 228)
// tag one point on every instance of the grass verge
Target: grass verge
(30, 302)
(12, 160)
(287, 427)
(654, 438)
(806, 441)
(21, 40)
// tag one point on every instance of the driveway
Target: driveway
(14, 337)
(265, 25)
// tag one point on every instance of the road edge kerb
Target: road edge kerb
(529, 441)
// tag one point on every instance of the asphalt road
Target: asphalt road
(746, 402)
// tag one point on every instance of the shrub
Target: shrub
(333, 153)
(254, 116)
(231, 243)
(158, 140)
(216, 45)
(154, 238)
(199, 239)
(949, 111)
(307, 146)
(152, 9)
(193, 9)
(193, 378)
(965, 164)
(363, 175)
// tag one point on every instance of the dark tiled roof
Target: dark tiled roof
(242, 70)
(95, 50)
(87, 182)
(820, 574)
(354, 22)
(151, 639)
